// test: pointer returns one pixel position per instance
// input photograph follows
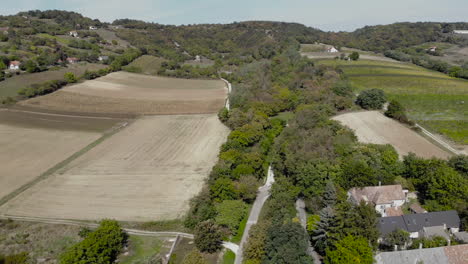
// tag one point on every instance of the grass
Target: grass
(433, 99)
(229, 257)
(59, 39)
(176, 225)
(146, 64)
(142, 249)
(11, 86)
(240, 231)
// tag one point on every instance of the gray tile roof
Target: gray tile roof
(416, 222)
(462, 236)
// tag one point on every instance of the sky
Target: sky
(330, 15)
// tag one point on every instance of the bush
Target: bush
(354, 56)
(70, 77)
(208, 237)
(100, 247)
(230, 214)
(371, 99)
(21, 258)
(396, 111)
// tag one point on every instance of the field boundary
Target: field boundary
(61, 164)
(438, 140)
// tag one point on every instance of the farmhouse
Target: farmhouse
(103, 58)
(73, 60)
(14, 65)
(417, 224)
(93, 28)
(74, 34)
(432, 49)
(332, 50)
(386, 199)
(415, 208)
(460, 31)
(441, 255)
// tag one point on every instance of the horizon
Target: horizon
(308, 13)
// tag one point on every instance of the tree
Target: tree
(397, 237)
(208, 237)
(223, 189)
(459, 163)
(194, 257)
(321, 235)
(361, 221)
(312, 223)
(2, 65)
(247, 187)
(286, 244)
(230, 214)
(100, 246)
(21, 258)
(70, 77)
(396, 111)
(329, 195)
(255, 247)
(435, 241)
(354, 56)
(371, 99)
(30, 66)
(350, 250)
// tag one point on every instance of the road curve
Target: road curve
(262, 196)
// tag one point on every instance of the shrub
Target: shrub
(230, 214)
(70, 77)
(396, 111)
(371, 99)
(194, 257)
(100, 247)
(354, 56)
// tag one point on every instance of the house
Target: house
(4, 30)
(460, 31)
(74, 34)
(92, 28)
(198, 58)
(103, 58)
(415, 223)
(14, 65)
(382, 197)
(416, 208)
(461, 237)
(432, 49)
(72, 60)
(433, 231)
(441, 255)
(332, 50)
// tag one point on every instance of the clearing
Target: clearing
(148, 171)
(130, 93)
(373, 127)
(432, 99)
(32, 143)
(11, 86)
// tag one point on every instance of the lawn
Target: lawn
(435, 100)
(142, 250)
(229, 257)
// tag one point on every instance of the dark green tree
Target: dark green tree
(371, 99)
(354, 56)
(350, 250)
(208, 237)
(397, 237)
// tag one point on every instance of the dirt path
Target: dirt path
(373, 127)
(300, 208)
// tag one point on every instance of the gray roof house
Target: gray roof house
(441, 255)
(415, 223)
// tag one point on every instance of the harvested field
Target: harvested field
(147, 171)
(373, 127)
(129, 93)
(33, 143)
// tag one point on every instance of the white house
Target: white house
(14, 65)
(103, 58)
(92, 28)
(73, 60)
(332, 50)
(387, 199)
(198, 58)
(433, 49)
(460, 31)
(74, 34)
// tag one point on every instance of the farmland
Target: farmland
(32, 143)
(147, 171)
(145, 64)
(129, 93)
(11, 86)
(432, 99)
(373, 127)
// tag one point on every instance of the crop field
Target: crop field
(130, 93)
(373, 127)
(11, 86)
(435, 100)
(147, 171)
(146, 64)
(32, 143)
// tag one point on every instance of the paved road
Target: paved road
(300, 208)
(262, 196)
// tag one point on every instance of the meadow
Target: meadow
(435, 100)
(146, 64)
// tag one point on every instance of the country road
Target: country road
(300, 208)
(262, 196)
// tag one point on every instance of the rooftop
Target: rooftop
(394, 211)
(441, 255)
(416, 207)
(378, 194)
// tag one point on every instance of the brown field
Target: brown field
(129, 93)
(374, 127)
(32, 143)
(147, 171)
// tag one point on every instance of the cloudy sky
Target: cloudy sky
(331, 15)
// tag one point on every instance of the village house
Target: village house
(415, 208)
(460, 31)
(440, 255)
(387, 199)
(432, 49)
(93, 28)
(332, 50)
(421, 225)
(74, 34)
(103, 58)
(14, 65)
(72, 60)
(198, 58)
(4, 30)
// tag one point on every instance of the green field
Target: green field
(11, 86)
(145, 64)
(432, 99)
(142, 249)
